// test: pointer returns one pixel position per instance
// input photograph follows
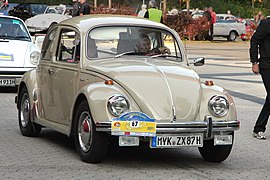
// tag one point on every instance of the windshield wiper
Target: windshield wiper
(128, 53)
(6, 37)
(165, 55)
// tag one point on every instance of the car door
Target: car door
(59, 77)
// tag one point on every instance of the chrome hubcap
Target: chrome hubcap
(25, 110)
(85, 131)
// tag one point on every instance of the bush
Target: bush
(187, 27)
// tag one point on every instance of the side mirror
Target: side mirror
(197, 61)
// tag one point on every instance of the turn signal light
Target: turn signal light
(209, 83)
(109, 82)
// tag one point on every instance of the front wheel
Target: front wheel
(91, 145)
(27, 127)
(217, 153)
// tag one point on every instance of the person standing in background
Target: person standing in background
(85, 7)
(213, 21)
(76, 8)
(153, 13)
(258, 18)
(260, 59)
(142, 11)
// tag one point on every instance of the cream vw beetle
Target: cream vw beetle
(95, 80)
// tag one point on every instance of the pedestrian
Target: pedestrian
(229, 12)
(76, 8)
(213, 21)
(207, 16)
(258, 18)
(153, 13)
(142, 11)
(260, 47)
(85, 7)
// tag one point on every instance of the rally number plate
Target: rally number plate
(195, 140)
(7, 82)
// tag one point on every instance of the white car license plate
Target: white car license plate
(195, 140)
(7, 82)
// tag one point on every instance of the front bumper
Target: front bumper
(208, 127)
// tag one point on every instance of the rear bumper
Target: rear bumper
(208, 127)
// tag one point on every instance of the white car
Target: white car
(225, 17)
(52, 15)
(229, 29)
(17, 51)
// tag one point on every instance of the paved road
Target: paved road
(53, 156)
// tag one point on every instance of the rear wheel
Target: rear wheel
(232, 36)
(217, 153)
(91, 145)
(27, 127)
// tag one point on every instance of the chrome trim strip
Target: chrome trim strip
(184, 127)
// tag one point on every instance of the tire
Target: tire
(232, 36)
(213, 153)
(91, 145)
(51, 25)
(27, 127)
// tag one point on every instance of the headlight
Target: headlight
(218, 106)
(117, 105)
(34, 57)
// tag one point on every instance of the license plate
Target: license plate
(7, 82)
(133, 124)
(195, 140)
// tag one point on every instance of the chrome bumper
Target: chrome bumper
(208, 127)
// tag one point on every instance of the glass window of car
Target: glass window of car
(13, 29)
(37, 8)
(106, 42)
(48, 45)
(69, 46)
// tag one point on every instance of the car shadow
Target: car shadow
(8, 90)
(142, 154)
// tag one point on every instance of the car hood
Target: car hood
(14, 53)
(164, 90)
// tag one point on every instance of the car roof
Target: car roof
(85, 22)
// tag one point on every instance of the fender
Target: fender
(97, 95)
(210, 91)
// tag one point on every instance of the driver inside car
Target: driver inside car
(144, 46)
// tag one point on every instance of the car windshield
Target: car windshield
(118, 41)
(38, 8)
(55, 10)
(13, 29)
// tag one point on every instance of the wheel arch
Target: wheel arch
(81, 97)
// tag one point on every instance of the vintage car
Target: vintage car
(101, 78)
(6, 8)
(52, 15)
(16, 51)
(27, 10)
(230, 29)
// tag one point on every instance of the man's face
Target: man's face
(144, 45)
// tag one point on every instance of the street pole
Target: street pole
(95, 4)
(110, 4)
